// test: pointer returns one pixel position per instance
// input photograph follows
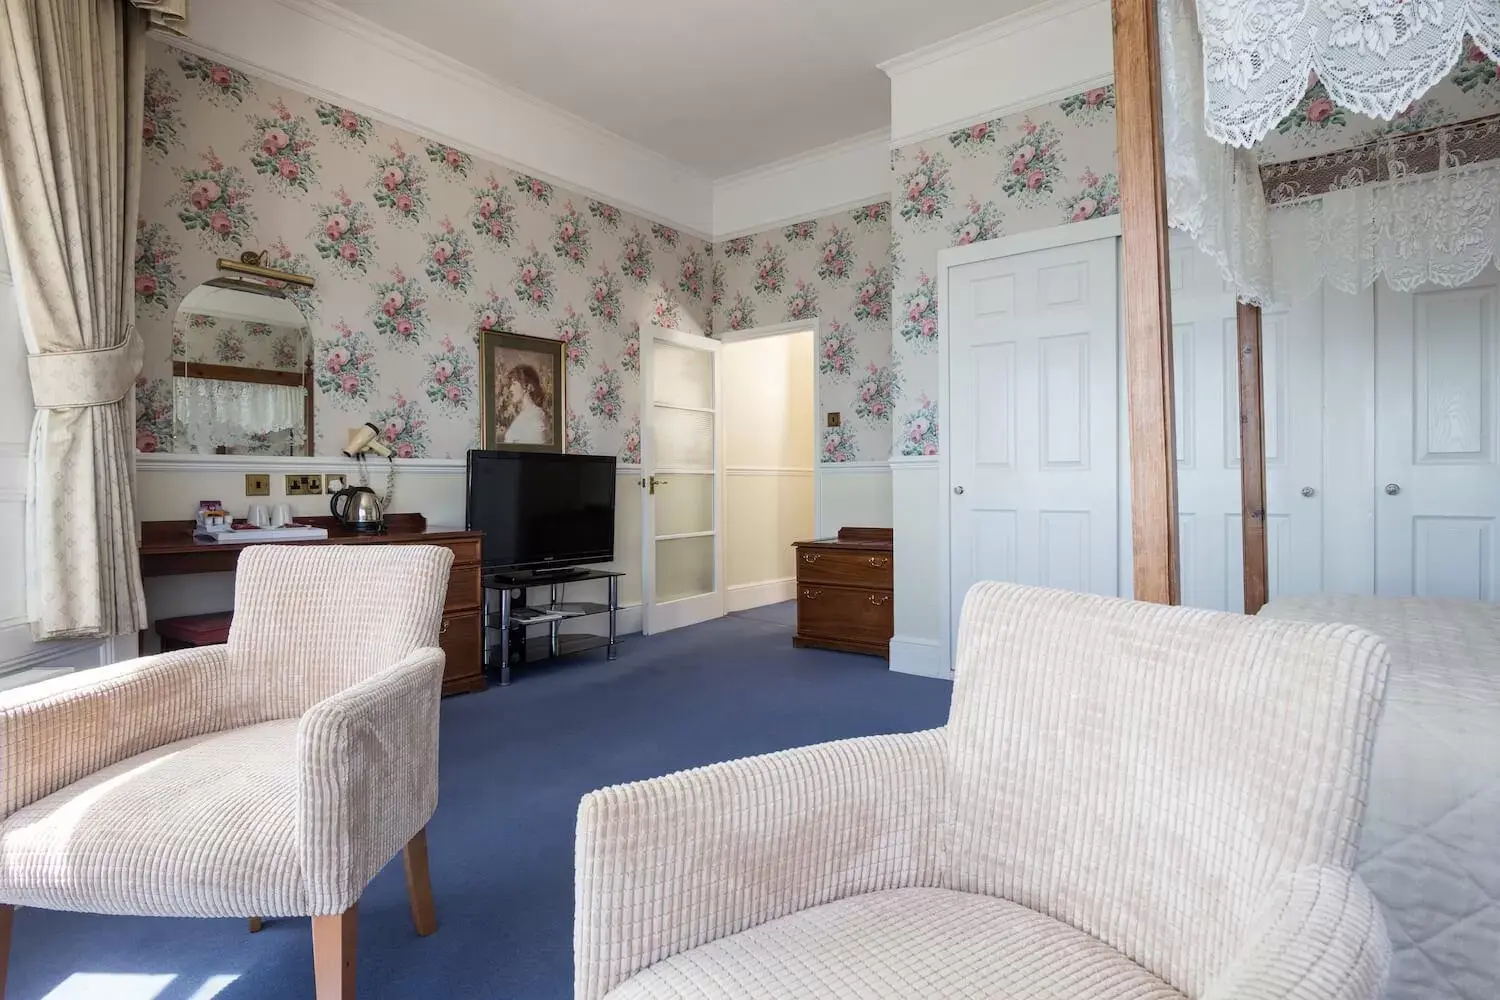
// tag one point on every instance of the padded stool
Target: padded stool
(194, 630)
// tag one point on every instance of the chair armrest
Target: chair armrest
(672, 863)
(367, 777)
(1319, 936)
(61, 730)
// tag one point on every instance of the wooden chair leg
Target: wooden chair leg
(334, 941)
(7, 919)
(256, 924)
(419, 884)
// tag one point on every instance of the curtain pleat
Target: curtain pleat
(71, 87)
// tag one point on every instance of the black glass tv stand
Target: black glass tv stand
(508, 616)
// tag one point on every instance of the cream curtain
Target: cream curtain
(71, 86)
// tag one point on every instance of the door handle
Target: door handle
(959, 490)
(650, 485)
(1308, 491)
(1391, 489)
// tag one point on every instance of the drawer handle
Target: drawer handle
(878, 599)
(879, 562)
(812, 595)
(443, 629)
(810, 557)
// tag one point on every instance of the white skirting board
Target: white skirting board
(744, 596)
(922, 657)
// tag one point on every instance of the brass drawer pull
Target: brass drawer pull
(810, 557)
(812, 595)
(443, 630)
(878, 599)
(879, 562)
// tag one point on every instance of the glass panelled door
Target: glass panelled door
(682, 561)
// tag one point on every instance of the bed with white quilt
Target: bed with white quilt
(1431, 845)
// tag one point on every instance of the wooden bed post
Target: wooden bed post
(1148, 308)
(1252, 458)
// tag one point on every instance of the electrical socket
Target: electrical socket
(257, 484)
(334, 481)
(304, 485)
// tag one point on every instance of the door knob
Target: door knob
(958, 490)
(1391, 489)
(1308, 491)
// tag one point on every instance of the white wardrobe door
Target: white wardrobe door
(1033, 457)
(1206, 376)
(1437, 477)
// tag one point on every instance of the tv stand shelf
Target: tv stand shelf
(505, 638)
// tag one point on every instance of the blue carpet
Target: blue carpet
(514, 763)
(783, 614)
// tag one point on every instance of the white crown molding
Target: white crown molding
(984, 34)
(1033, 57)
(840, 176)
(801, 161)
(1003, 111)
(411, 86)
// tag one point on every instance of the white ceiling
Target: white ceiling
(720, 86)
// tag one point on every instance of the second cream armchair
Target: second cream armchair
(270, 777)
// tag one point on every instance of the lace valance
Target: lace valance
(1373, 56)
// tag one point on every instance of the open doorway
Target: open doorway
(769, 392)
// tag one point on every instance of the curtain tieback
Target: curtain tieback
(65, 379)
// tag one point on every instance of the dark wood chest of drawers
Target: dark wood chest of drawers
(844, 592)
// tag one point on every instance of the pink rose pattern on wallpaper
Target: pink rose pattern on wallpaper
(1033, 170)
(835, 269)
(415, 245)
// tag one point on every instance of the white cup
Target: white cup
(281, 515)
(257, 515)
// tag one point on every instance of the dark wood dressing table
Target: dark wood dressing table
(169, 549)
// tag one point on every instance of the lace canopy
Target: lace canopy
(1374, 56)
(1279, 198)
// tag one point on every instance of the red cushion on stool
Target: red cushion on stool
(197, 630)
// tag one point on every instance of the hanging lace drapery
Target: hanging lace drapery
(1374, 56)
(1412, 209)
(243, 418)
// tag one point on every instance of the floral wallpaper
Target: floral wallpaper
(415, 247)
(222, 340)
(1050, 165)
(1317, 125)
(835, 268)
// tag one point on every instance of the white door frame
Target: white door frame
(648, 511)
(780, 330)
(1067, 234)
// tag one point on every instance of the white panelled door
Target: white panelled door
(1206, 373)
(682, 562)
(1030, 427)
(1437, 378)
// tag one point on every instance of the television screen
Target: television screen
(539, 511)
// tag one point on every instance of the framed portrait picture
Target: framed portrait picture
(522, 381)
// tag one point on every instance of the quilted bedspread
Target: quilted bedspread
(1430, 851)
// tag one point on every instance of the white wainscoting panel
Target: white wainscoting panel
(917, 647)
(853, 494)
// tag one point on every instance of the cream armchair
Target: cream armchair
(269, 777)
(1129, 802)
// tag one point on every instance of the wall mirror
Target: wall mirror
(241, 372)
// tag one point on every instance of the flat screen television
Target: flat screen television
(541, 512)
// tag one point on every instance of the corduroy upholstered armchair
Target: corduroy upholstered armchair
(1129, 801)
(270, 777)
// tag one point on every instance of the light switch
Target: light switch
(834, 419)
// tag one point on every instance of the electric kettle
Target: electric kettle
(360, 509)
